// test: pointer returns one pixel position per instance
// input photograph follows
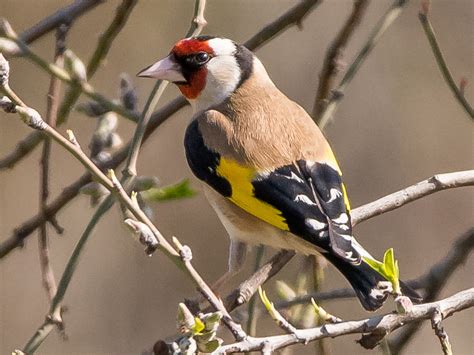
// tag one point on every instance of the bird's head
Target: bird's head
(206, 69)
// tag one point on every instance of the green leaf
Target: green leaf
(375, 264)
(388, 269)
(391, 269)
(170, 192)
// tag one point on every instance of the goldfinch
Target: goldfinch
(266, 168)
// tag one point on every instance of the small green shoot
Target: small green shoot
(388, 269)
(179, 190)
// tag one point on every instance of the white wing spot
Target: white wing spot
(334, 194)
(376, 294)
(314, 224)
(295, 177)
(342, 219)
(349, 256)
(304, 199)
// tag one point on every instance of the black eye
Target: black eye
(197, 59)
(201, 57)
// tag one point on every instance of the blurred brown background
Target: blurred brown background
(398, 124)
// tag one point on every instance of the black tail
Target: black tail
(364, 280)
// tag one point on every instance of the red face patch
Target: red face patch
(197, 78)
(189, 46)
(196, 84)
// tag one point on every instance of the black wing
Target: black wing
(312, 199)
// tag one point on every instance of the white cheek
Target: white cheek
(223, 76)
(224, 72)
(222, 46)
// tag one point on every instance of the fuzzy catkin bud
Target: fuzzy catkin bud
(4, 70)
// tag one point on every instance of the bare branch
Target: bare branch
(333, 56)
(26, 145)
(393, 201)
(247, 289)
(64, 76)
(54, 91)
(102, 49)
(433, 281)
(293, 16)
(443, 67)
(65, 15)
(372, 328)
(379, 29)
(440, 332)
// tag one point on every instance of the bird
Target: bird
(266, 168)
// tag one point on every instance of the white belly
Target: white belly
(249, 229)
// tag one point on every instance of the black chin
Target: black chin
(182, 82)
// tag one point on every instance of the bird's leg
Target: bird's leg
(237, 255)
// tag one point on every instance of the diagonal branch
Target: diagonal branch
(379, 29)
(372, 329)
(65, 15)
(333, 55)
(443, 67)
(49, 281)
(104, 44)
(433, 281)
(26, 145)
(426, 187)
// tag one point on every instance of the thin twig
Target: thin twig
(28, 144)
(64, 76)
(122, 13)
(292, 16)
(65, 15)
(426, 187)
(433, 281)
(373, 329)
(71, 191)
(49, 281)
(436, 319)
(379, 29)
(443, 67)
(252, 319)
(247, 289)
(333, 56)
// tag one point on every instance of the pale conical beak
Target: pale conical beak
(165, 69)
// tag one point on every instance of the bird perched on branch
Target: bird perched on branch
(267, 169)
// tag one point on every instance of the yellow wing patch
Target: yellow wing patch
(240, 179)
(346, 198)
